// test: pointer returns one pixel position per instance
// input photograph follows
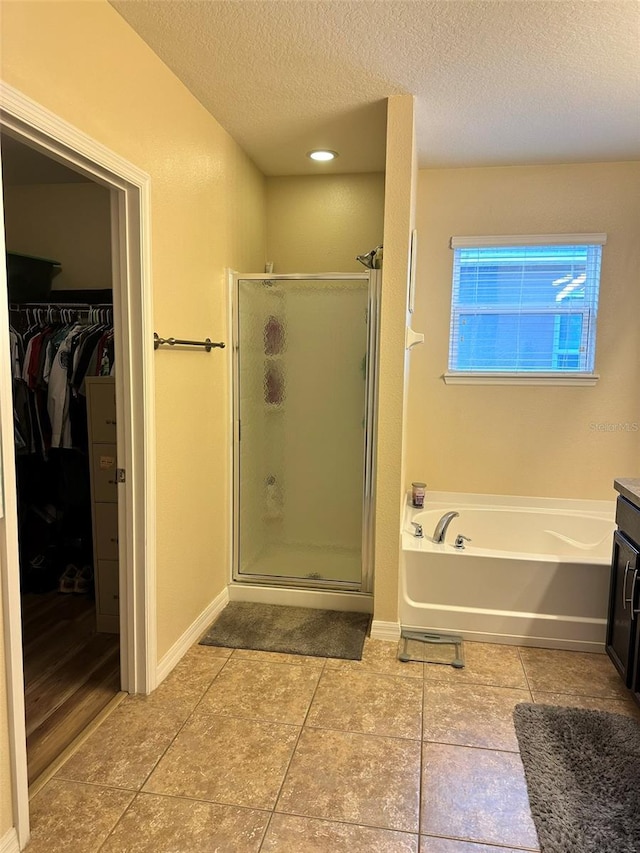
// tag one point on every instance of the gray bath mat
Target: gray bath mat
(582, 776)
(293, 630)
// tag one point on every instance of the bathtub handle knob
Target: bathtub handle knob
(418, 534)
(460, 540)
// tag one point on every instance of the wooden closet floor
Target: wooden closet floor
(71, 673)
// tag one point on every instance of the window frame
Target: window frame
(527, 377)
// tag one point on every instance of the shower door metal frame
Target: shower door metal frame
(374, 278)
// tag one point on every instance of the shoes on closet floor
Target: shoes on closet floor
(83, 580)
(68, 579)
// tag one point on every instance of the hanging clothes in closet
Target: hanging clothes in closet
(53, 349)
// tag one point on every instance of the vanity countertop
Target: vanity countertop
(629, 488)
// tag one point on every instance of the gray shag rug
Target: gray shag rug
(583, 777)
(293, 630)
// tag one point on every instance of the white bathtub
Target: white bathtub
(536, 571)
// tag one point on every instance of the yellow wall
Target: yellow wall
(83, 62)
(320, 223)
(69, 223)
(527, 440)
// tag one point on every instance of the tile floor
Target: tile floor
(240, 752)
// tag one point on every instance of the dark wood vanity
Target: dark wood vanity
(623, 624)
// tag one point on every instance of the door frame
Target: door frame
(365, 587)
(37, 127)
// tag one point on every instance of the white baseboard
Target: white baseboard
(183, 643)
(9, 842)
(354, 602)
(385, 630)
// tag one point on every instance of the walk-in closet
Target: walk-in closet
(58, 242)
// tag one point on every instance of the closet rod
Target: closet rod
(66, 312)
(207, 343)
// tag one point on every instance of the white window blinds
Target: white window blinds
(525, 305)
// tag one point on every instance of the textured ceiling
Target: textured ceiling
(510, 82)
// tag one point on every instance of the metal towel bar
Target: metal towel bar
(208, 344)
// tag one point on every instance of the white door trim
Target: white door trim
(130, 191)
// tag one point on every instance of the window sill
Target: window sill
(460, 378)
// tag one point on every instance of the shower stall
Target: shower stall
(305, 355)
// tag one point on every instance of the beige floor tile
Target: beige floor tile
(485, 663)
(580, 673)
(475, 794)
(226, 760)
(288, 834)
(367, 702)
(170, 824)
(74, 817)
(183, 688)
(262, 691)
(352, 783)
(205, 653)
(279, 657)
(429, 844)
(126, 746)
(471, 714)
(212, 651)
(357, 778)
(379, 656)
(615, 706)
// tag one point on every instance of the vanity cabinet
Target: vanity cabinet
(623, 624)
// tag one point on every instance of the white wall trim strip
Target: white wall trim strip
(193, 632)
(529, 240)
(9, 842)
(38, 118)
(464, 378)
(385, 630)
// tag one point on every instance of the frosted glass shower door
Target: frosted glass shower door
(301, 397)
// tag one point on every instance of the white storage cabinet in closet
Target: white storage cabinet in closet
(101, 414)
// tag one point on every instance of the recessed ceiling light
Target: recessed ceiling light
(322, 155)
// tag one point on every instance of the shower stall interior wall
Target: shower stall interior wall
(304, 389)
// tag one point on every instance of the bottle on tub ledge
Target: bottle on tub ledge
(417, 494)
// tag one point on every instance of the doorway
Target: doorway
(64, 373)
(30, 124)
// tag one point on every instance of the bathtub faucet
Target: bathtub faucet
(441, 527)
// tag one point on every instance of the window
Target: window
(524, 308)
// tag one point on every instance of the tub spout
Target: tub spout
(441, 527)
